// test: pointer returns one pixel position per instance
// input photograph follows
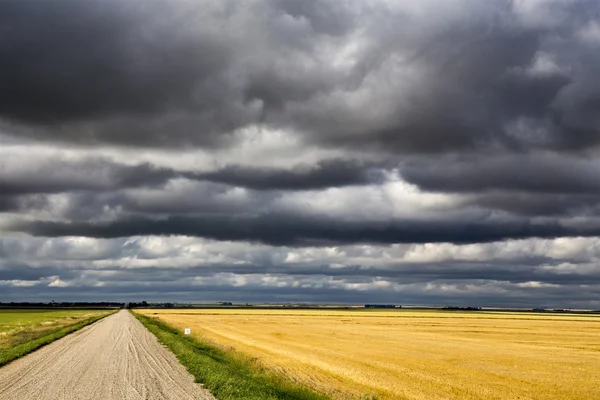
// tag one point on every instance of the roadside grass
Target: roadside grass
(227, 375)
(23, 342)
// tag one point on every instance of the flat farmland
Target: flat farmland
(24, 330)
(403, 354)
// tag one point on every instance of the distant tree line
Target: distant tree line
(382, 306)
(142, 304)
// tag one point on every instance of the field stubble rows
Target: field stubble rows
(413, 354)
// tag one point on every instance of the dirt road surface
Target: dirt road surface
(114, 358)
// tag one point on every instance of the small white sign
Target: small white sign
(187, 331)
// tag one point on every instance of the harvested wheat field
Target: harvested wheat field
(413, 354)
(18, 325)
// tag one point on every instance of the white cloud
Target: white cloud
(58, 283)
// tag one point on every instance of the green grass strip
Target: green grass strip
(227, 375)
(48, 336)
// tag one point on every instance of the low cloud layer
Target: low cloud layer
(415, 151)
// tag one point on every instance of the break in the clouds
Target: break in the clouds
(316, 151)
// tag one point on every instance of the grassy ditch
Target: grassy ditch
(24, 342)
(228, 375)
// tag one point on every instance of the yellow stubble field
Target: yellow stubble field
(404, 354)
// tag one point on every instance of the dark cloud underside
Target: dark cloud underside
(300, 150)
(293, 230)
(115, 72)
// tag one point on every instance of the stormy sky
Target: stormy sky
(414, 152)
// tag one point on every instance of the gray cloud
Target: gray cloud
(95, 175)
(530, 204)
(17, 203)
(535, 184)
(102, 175)
(197, 73)
(38, 267)
(298, 230)
(73, 61)
(329, 151)
(280, 289)
(324, 174)
(8, 203)
(545, 174)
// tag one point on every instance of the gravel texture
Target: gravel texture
(114, 358)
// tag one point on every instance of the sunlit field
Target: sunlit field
(23, 330)
(413, 354)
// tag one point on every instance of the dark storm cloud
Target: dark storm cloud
(400, 272)
(8, 203)
(489, 108)
(22, 271)
(72, 60)
(97, 175)
(297, 230)
(102, 176)
(16, 203)
(111, 66)
(534, 204)
(157, 73)
(525, 271)
(541, 174)
(533, 184)
(322, 175)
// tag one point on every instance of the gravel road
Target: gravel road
(114, 358)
